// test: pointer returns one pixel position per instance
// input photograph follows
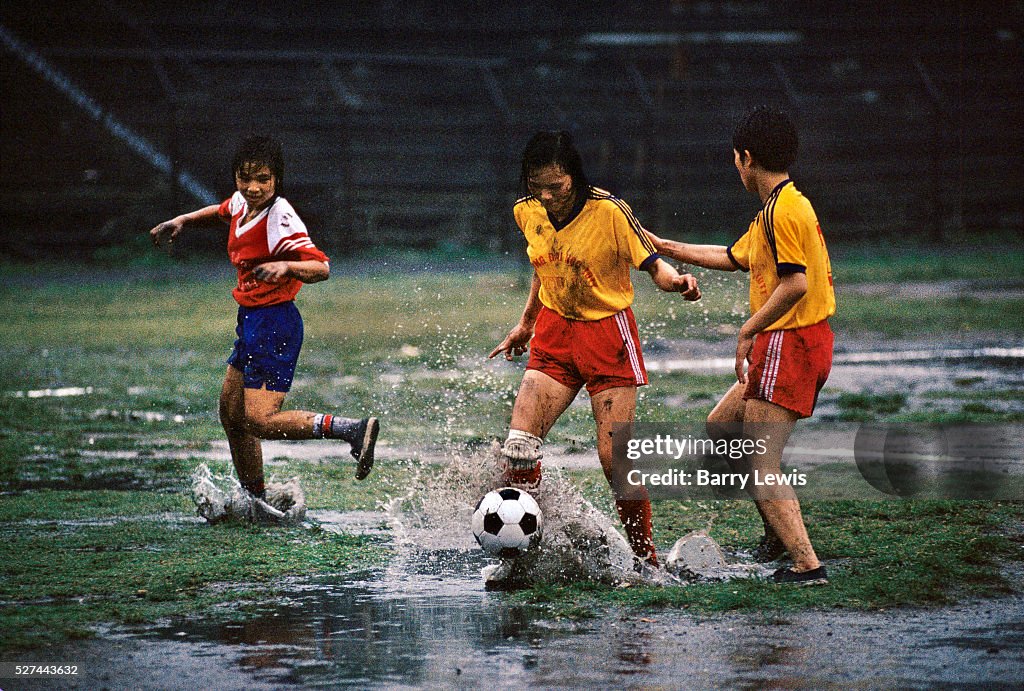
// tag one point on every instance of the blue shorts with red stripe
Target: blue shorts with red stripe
(601, 354)
(788, 367)
(268, 344)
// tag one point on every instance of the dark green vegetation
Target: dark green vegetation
(864, 407)
(97, 529)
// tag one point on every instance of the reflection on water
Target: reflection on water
(430, 625)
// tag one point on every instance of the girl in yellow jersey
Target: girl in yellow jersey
(787, 339)
(582, 243)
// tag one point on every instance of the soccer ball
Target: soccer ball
(507, 522)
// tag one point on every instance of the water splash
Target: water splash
(221, 498)
(61, 392)
(696, 557)
(580, 543)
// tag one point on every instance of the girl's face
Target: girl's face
(256, 183)
(552, 187)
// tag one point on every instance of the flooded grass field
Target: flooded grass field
(108, 405)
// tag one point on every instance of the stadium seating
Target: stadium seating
(403, 122)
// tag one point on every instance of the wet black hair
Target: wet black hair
(770, 137)
(260, 150)
(547, 147)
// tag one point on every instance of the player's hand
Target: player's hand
(516, 343)
(744, 345)
(271, 272)
(168, 230)
(686, 284)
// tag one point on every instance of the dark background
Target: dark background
(403, 121)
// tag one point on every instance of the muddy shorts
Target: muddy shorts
(267, 348)
(788, 367)
(601, 354)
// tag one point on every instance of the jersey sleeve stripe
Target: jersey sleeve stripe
(293, 242)
(647, 263)
(769, 225)
(728, 252)
(633, 223)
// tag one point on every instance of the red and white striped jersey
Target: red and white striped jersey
(276, 234)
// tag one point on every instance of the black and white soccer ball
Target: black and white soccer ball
(507, 522)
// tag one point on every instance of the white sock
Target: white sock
(531, 441)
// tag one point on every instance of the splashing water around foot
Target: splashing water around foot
(580, 543)
(221, 498)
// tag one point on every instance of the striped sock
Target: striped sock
(322, 426)
(336, 427)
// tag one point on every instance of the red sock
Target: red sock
(528, 478)
(635, 515)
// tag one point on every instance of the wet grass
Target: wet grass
(948, 318)
(70, 559)
(55, 582)
(867, 263)
(1004, 395)
(411, 348)
(969, 413)
(877, 554)
(865, 407)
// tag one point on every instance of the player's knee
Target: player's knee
(232, 419)
(717, 418)
(258, 424)
(722, 426)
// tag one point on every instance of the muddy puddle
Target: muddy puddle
(426, 621)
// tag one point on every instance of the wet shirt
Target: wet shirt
(785, 238)
(584, 264)
(276, 234)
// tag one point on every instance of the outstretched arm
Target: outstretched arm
(168, 230)
(707, 256)
(519, 337)
(668, 279)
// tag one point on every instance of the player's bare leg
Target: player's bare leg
(782, 515)
(729, 409)
(724, 421)
(611, 407)
(539, 403)
(246, 450)
(265, 420)
(249, 415)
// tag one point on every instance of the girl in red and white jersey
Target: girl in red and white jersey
(274, 255)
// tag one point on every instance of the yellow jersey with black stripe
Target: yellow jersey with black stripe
(784, 238)
(583, 264)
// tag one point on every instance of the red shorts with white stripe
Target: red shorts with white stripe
(601, 354)
(788, 367)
